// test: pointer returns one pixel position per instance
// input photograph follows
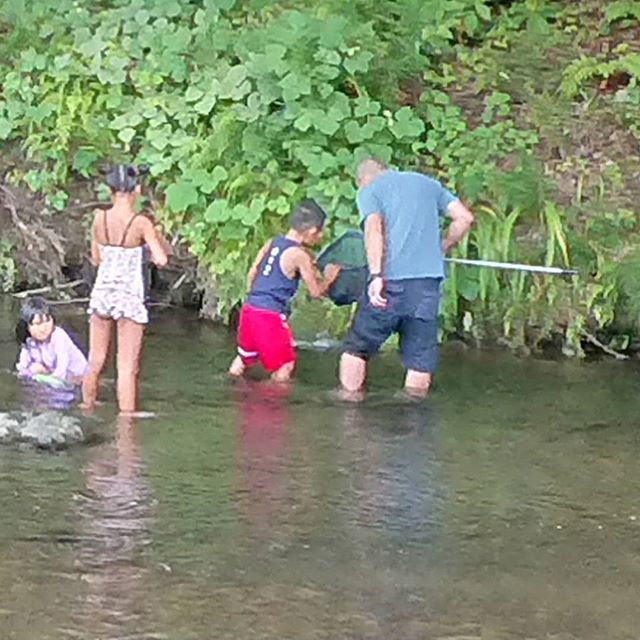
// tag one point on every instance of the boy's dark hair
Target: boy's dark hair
(307, 215)
(125, 177)
(32, 307)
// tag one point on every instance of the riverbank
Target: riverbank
(47, 252)
(528, 110)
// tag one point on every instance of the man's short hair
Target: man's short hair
(370, 167)
(307, 215)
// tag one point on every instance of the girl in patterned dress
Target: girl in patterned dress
(118, 239)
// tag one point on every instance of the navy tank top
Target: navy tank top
(272, 289)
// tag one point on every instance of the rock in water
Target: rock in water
(322, 342)
(49, 430)
(9, 426)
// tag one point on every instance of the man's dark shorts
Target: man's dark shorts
(412, 312)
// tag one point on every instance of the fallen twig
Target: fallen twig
(53, 287)
(70, 301)
(612, 352)
(87, 205)
(179, 282)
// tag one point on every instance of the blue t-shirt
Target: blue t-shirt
(411, 205)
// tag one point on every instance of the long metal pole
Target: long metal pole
(512, 266)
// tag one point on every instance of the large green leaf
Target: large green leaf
(126, 134)
(407, 124)
(358, 63)
(5, 128)
(295, 85)
(181, 196)
(219, 211)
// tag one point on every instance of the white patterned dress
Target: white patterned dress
(119, 290)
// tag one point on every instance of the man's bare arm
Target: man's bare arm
(374, 242)
(461, 222)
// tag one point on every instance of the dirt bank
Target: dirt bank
(48, 248)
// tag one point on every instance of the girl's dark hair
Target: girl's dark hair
(32, 307)
(125, 177)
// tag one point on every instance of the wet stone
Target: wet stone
(49, 430)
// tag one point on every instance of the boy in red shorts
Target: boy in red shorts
(264, 334)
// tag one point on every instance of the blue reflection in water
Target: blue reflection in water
(393, 472)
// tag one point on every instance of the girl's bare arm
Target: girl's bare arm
(155, 242)
(95, 247)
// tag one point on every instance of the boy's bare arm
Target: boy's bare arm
(318, 286)
(253, 270)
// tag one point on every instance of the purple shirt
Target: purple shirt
(59, 354)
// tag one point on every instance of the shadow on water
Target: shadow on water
(506, 506)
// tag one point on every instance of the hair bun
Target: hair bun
(123, 177)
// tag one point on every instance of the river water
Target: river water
(506, 506)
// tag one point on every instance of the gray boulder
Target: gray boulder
(9, 426)
(49, 430)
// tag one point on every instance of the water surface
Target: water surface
(507, 506)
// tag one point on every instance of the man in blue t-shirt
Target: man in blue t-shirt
(401, 216)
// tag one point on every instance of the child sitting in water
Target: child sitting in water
(117, 301)
(264, 334)
(46, 349)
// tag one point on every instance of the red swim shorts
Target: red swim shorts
(265, 336)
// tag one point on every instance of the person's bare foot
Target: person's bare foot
(345, 395)
(87, 409)
(416, 393)
(237, 367)
(137, 414)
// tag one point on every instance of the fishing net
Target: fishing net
(347, 251)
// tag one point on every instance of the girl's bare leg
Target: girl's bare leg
(100, 330)
(130, 336)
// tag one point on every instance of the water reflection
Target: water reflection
(392, 468)
(42, 397)
(114, 524)
(264, 424)
(510, 512)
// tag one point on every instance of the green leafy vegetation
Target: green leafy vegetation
(529, 109)
(7, 267)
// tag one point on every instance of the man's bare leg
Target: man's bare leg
(418, 383)
(353, 375)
